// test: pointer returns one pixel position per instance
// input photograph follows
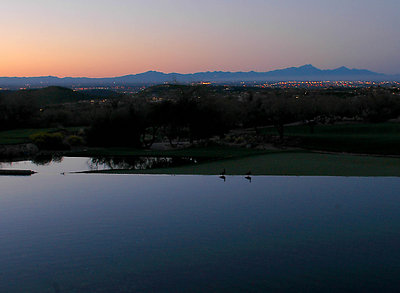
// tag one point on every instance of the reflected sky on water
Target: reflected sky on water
(56, 165)
(121, 233)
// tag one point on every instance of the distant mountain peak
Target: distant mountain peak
(303, 73)
(308, 66)
(342, 68)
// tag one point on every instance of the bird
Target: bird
(248, 177)
(223, 177)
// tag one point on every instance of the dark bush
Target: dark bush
(49, 141)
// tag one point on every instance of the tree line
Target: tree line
(192, 113)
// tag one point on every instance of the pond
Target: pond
(130, 233)
(57, 165)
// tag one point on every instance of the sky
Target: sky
(105, 38)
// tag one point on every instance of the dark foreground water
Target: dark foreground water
(106, 233)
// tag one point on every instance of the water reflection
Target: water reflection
(101, 233)
(46, 160)
(139, 163)
(58, 164)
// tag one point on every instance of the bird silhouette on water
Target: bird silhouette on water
(222, 175)
(248, 176)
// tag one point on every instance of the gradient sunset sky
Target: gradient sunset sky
(103, 38)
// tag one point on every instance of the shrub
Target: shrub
(48, 141)
(75, 140)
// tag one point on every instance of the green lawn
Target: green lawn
(289, 163)
(215, 152)
(383, 138)
(17, 136)
(356, 138)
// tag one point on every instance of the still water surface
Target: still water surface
(120, 233)
(57, 165)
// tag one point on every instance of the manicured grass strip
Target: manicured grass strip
(367, 144)
(288, 163)
(355, 129)
(217, 152)
(17, 136)
(16, 172)
(382, 139)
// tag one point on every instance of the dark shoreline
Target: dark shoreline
(4, 172)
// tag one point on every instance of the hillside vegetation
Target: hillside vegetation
(334, 119)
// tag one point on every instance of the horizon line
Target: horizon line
(208, 71)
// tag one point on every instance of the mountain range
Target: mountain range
(303, 73)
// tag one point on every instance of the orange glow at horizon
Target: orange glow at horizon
(106, 38)
(89, 57)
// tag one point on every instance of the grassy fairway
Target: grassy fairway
(208, 153)
(290, 163)
(381, 138)
(17, 136)
(357, 138)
